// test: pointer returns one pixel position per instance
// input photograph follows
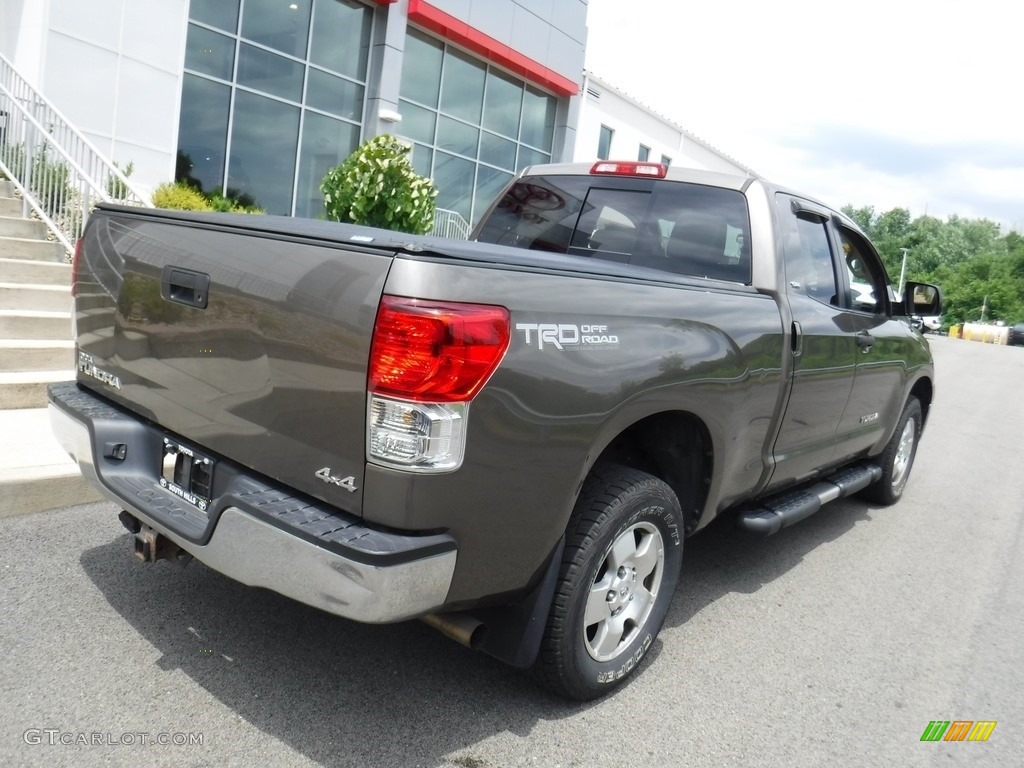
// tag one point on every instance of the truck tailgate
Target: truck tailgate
(246, 343)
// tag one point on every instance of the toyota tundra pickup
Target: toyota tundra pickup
(510, 437)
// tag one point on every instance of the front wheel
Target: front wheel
(619, 570)
(898, 457)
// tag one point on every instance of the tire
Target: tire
(898, 457)
(619, 570)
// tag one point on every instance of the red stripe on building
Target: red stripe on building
(459, 32)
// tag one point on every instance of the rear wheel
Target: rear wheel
(898, 458)
(619, 570)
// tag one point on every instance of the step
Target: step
(10, 206)
(87, 301)
(38, 272)
(24, 228)
(101, 343)
(89, 320)
(778, 512)
(35, 472)
(29, 324)
(27, 389)
(26, 248)
(48, 298)
(36, 354)
(7, 189)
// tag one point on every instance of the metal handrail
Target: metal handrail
(59, 173)
(450, 224)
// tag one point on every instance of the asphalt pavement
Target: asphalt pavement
(832, 643)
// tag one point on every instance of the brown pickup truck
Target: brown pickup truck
(510, 437)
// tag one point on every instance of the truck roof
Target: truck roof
(738, 182)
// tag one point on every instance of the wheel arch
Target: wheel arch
(924, 391)
(674, 446)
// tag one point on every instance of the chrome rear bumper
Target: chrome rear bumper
(365, 574)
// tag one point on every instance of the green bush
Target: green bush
(50, 183)
(233, 203)
(117, 189)
(48, 180)
(14, 158)
(180, 196)
(377, 186)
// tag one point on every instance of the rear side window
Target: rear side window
(685, 229)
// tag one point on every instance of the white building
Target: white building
(259, 98)
(613, 125)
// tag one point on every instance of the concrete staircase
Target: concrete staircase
(36, 348)
(35, 308)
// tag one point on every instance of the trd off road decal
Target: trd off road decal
(568, 336)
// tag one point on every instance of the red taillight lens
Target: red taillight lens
(629, 168)
(435, 351)
(75, 262)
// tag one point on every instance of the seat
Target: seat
(614, 238)
(697, 246)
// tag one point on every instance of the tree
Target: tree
(377, 186)
(891, 233)
(862, 217)
(969, 259)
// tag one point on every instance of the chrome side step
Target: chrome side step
(778, 512)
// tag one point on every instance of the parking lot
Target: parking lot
(835, 642)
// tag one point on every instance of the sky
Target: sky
(882, 103)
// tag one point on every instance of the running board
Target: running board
(781, 511)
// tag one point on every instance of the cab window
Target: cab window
(810, 267)
(865, 276)
(685, 229)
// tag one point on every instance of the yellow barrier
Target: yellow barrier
(988, 334)
(954, 331)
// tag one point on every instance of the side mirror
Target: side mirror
(922, 300)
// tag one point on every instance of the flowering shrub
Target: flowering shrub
(377, 186)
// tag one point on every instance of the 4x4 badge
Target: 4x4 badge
(348, 483)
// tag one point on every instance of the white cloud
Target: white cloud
(931, 87)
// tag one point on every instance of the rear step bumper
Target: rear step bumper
(255, 533)
(781, 511)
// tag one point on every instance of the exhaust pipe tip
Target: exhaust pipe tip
(460, 627)
(129, 521)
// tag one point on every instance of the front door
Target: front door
(824, 352)
(885, 345)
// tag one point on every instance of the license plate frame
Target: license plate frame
(187, 473)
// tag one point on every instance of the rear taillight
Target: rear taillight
(75, 262)
(427, 361)
(629, 168)
(435, 351)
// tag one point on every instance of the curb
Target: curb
(40, 489)
(36, 474)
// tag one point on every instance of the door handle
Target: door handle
(796, 339)
(185, 287)
(865, 341)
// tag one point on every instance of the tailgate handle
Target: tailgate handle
(185, 287)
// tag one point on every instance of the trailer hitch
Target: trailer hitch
(150, 545)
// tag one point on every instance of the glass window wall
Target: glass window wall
(272, 98)
(472, 126)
